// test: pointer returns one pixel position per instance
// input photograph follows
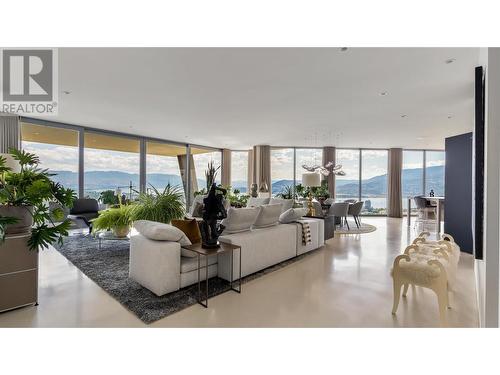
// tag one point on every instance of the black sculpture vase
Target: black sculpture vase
(213, 212)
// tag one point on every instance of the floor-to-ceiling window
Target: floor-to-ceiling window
(57, 149)
(412, 176)
(165, 166)
(434, 172)
(239, 171)
(111, 162)
(374, 181)
(201, 157)
(347, 187)
(282, 170)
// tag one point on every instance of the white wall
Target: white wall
(487, 270)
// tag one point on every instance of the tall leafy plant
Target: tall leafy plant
(32, 189)
(161, 206)
(211, 174)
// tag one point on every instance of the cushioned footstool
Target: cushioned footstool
(429, 264)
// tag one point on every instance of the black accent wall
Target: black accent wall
(458, 190)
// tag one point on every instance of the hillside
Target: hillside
(375, 186)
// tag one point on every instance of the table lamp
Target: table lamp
(309, 180)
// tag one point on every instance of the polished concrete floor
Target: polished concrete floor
(345, 284)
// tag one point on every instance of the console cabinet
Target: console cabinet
(18, 273)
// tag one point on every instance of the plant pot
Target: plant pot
(24, 216)
(121, 231)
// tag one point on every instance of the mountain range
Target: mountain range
(375, 186)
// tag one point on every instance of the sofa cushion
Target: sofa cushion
(197, 209)
(239, 219)
(257, 202)
(190, 229)
(286, 204)
(197, 206)
(269, 215)
(292, 214)
(164, 232)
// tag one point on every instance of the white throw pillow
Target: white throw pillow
(239, 219)
(269, 215)
(292, 214)
(164, 232)
(286, 204)
(257, 202)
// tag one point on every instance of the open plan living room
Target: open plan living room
(236, 187)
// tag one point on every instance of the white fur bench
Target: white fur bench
(429, 264)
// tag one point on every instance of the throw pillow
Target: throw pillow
(239, 219)
(257, 202)
(198, 210)
(164, 232)
(190, 229)
(292, 214)
(285, 203)
(269, 215)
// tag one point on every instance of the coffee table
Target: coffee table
(109, 236)
(200, 251)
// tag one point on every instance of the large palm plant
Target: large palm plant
(161, 206)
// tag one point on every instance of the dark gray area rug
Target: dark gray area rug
(108, 268)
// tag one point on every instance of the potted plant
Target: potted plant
(108, 198)
(321, 193)
(118, 220)
(161, 206)
(286, 193)
(236, 198)
(24, 202)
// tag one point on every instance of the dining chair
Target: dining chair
(340, 210)
(350, 200)
(423, 209)
(318, 210)
(355, 211)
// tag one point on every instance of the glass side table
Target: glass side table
(109, 236)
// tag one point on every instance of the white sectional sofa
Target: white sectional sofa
(263, 248)
(159, 266)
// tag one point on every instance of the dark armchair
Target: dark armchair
(84, 209)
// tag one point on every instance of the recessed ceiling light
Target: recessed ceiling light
(449, 61)
(383, 93)
(450, 116)
(343, 49)
(403, 116)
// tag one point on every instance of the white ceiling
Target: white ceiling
(239, 97)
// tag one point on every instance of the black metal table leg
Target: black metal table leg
(200, 301)
(239, 280)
